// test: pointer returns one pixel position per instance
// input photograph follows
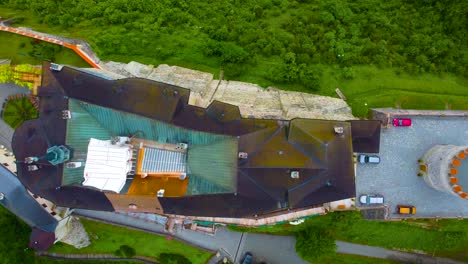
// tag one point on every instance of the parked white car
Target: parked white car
(363, 158)
(370, 199)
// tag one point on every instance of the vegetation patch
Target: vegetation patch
(445, 238)
(107, 239)
(22, 75)
(22, 50)
(406, 54)
(17, 111)
(14, 244)
(315, 243)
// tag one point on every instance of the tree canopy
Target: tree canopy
(314, 243)
(414, 36)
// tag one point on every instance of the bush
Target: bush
(125, 251)
(232, 70)
(314, 243)
(347, 73)
(168, 258)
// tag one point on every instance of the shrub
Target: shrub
(125, 251)
(168, 258)
(347, 73)
(233, 70)
(314, 243)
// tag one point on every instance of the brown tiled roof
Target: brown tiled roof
(41, 240)
(275, 148)
(366, 135)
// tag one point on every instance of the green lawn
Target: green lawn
(17, 48)
(14, 242)
(386, 88)
(447, 238)
(108, 238)
(17, 111)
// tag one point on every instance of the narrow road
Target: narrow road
(268, 248)
(377, 252)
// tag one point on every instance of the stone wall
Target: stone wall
(76, 235)
(253, 100)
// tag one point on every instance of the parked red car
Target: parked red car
(402, 122)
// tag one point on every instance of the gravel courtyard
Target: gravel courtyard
(396, 176)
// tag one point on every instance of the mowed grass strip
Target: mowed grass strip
(106, 239)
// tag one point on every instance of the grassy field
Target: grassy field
(17, 48)
(373, 88)
(366, 87)
(108, 238)
(447, 238)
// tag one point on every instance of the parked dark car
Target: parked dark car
(402, 122)
(247, 258)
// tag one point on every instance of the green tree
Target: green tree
(6, 73)
(314, 243)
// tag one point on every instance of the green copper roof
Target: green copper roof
(212, 156)
(80, 128)
(214, 164)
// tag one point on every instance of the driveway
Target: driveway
(6, 132)
(270, 249)
(396, 176)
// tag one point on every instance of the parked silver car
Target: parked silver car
(363, 158)
(369, 199)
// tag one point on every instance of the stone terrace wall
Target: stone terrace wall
(253, 100)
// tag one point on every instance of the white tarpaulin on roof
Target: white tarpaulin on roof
(107, 165)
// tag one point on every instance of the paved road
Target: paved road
(268, 248)
(405, 257)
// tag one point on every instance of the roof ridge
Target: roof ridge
(262, 144)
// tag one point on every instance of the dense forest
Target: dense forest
(288, 39)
